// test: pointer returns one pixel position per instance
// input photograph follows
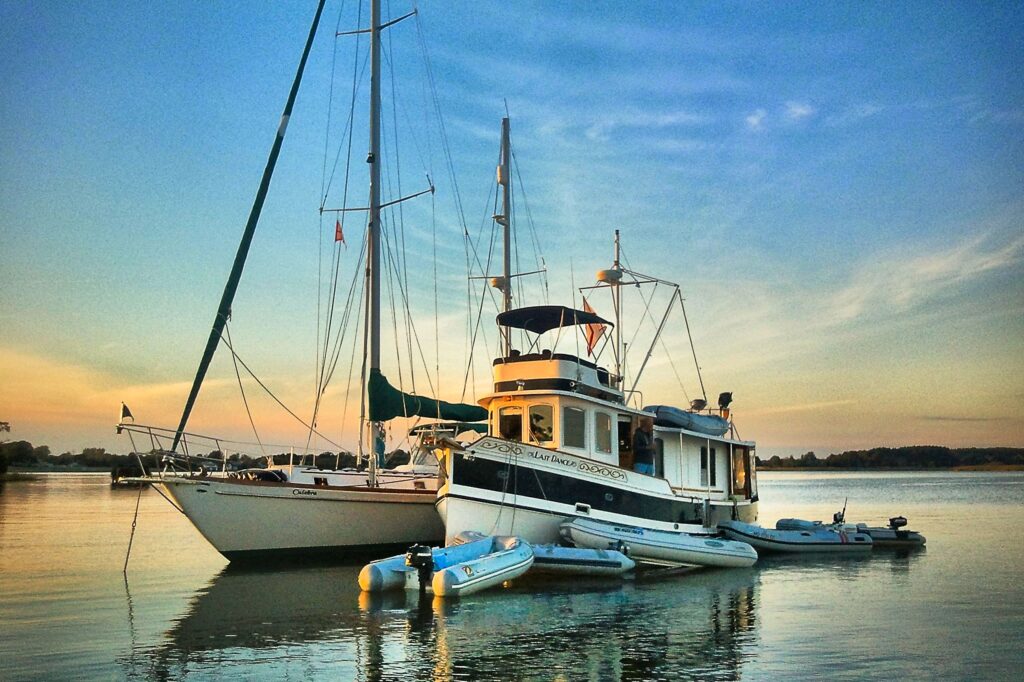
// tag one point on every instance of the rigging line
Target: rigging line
(347, 313)
(692, 348)
(348, 168)
(327, 369)
(352, 360)
(392, 267)
(419, 346)
(358, 75)
(241, 389)
(479, 317)
(272, 395)
(668, 354)
(323, 193)
(437, 331)
(538, 252)
(401, 255)
(445, 146)
(330, 103)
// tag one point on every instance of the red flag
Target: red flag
(339, 236)
(594, 330)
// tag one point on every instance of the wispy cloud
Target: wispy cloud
(940, 418)
(904, 282)
(802, 407)
(755, 120)
(605, 125)
(798, 111)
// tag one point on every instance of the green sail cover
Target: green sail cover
(387, 402)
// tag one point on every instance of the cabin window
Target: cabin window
(740, 482)
(574, 427)
(542, 423)
(603, 431)
(510, 423)
(708, 467)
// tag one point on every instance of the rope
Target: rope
(272, 395)
(241, 390)
(131, 538)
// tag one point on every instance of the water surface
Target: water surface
(951, 611)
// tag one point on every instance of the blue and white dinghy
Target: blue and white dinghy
(820, 539)
(568, 560)
(661, 547)
(451, 571)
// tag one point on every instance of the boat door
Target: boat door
(625, 437)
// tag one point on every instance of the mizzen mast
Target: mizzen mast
(505, 220)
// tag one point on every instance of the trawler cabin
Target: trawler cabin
(563, 402)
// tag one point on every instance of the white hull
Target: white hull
(575, 488)
(249, 519)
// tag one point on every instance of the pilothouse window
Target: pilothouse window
(542, 422)
(574, 427)
(510, 423)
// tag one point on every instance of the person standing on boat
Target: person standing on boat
(643, 447)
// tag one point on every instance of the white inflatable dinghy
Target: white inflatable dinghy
(662, 547)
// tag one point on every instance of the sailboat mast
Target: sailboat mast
(373, 226)
(505, 180)
(224, 309)
(617, 299)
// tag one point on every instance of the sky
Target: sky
(838, 188)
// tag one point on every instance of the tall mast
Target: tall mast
(373, 226)
(505, 220)
(617, 299)
(224, 309)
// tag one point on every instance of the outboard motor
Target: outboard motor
(421, 558)
(897, 522)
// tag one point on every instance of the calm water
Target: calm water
(952, 611)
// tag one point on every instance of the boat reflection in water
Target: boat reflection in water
(314, 622)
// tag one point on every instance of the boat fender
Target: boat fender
(422, 559)
(619, 546)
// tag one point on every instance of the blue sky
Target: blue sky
(837, 187)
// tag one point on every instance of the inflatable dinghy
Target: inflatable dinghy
(814, 539)
(451, 571)
(666, 415)
(893, 535)
(662, 547)
(580, 561)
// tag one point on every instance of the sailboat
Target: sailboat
(300, 510)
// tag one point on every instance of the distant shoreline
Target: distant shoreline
(964, 467)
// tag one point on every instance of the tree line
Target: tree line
(23, 454)
(910, 457)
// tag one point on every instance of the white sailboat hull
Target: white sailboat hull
(248, 520)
